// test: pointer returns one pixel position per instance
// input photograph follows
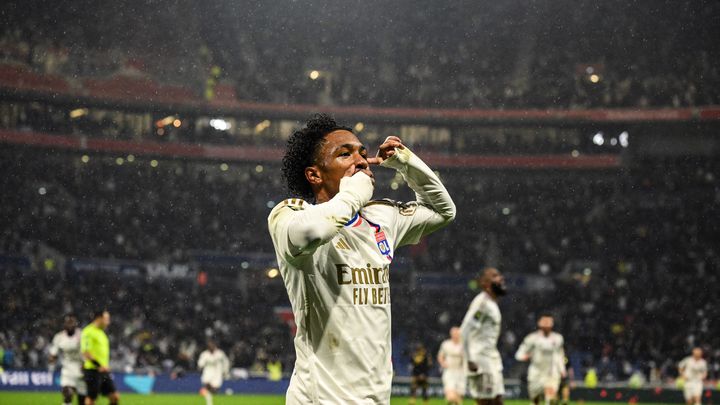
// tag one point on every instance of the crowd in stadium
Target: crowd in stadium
(157, 325)
(493, 62)
(631, 254)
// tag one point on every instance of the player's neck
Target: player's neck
(322, 196)
(491, 294)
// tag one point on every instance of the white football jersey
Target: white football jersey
(480, 332)
(67, 347)
(340, 295)
(214, 365)
(547, 356)
(693, 370)
(453, 354)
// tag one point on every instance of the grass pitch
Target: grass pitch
(35, 398)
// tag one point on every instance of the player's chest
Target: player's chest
(363, 241)
(547, 345)
(488, 317)
(69, 343)
(454, 350)
(696, 367)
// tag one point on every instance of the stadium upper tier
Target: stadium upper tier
(468, 55)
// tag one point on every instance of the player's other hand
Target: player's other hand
(472, 366)
(386, 150)
(103, 369)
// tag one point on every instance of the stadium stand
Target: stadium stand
(612, 290)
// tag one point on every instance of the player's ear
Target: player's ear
(313, 176)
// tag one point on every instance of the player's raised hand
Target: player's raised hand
(386, 150)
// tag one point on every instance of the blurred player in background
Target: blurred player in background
(215, 366)
(544, 349)
(694, 370)
(450, 358)
(95, 348)
(480, 331)
(66, 344)
(421, 363)
(334, 250)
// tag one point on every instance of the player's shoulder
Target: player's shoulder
(480, 298)
(287, 205)
(295, 204)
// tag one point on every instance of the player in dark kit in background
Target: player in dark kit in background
(421, 363)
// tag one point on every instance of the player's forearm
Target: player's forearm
(317, 224)
(428, 188)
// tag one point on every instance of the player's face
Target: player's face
(697, 353)
(106, 319)
(341, 155)
(546, 324)
(455, 334)
(70, 323)
(495, 281)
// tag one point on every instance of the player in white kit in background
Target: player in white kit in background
(479, 332)
(66, 346)
(334, 248)
(694, 370)
(544, 349)
(450, 358)
(215, 366)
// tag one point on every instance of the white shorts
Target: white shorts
(454, 380)
(537, 385)
(70, 378)
(692, 389)
(213, 382)
(486, 385)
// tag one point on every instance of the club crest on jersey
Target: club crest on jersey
(382, 243)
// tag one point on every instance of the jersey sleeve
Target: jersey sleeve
(525, 348)
(413, 220)
(226, 364)
(55, 346)
(298, 228)
(86, 342)
(683, 364)
(469, 322)
(561, 355)
(434, 207)
(442, 351)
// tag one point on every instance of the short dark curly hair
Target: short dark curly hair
(301, 152)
